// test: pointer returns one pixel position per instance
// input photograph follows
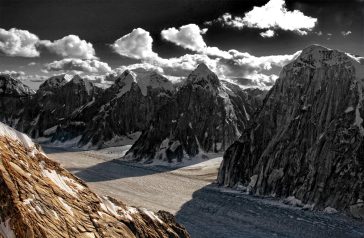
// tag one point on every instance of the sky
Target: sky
(245, 41)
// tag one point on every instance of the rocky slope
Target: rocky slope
(123, 109)
(13, 95)
(56, 98)
(204, 115)
(307, 139)
(40, 199)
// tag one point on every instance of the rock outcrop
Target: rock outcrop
(204, 115)
(13, 96)
(56, 99)
(38, 198)
(124, 109)
(306, 140)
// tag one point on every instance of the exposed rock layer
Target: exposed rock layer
(307, 139)
(205, 115)
(38, 198)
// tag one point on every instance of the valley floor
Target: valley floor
(188, 192)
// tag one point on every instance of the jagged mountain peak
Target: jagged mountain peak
(144, 80)
(320, 56)
(306, 140)
(153, 80)
(78, 81)
(204, 77)
(56, 81)
(127, 77)
(13, 87)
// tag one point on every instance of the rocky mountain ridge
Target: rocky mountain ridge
(67, 108)
(306, 141)
(205, 115)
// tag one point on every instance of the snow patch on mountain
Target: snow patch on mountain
(5, 229)
(56, 81)
(23, 139)
(153, 80)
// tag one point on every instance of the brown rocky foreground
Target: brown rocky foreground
(38, 198)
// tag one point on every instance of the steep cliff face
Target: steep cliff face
(13, 95)
(56, 99)
(38, 198)
(124, 108)
(307, 139)
(204, 115)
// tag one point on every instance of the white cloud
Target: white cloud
(262, 62)
(188, 36)
(137, 45)
(345, 33)
(32, 64)
(70, 46)
(144, 66)
(226, 64)
(79, 66)
(273, 15)
(20, 75)
(267, 34)
(12, 73)
(15, 42)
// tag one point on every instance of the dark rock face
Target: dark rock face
(204, 115)
(56, 98)
(13, 95)
(124, 108)
(306, 140)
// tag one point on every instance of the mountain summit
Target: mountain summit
(204, 115)
(204, 77)
(307, 139)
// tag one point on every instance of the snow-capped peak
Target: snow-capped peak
(56, 81)
(204, 77)
(143, 80)
(153, 80)
(318, 56)
(124, 82)
(127, 77)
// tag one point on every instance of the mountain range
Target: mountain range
(202, 114)
(303, 139)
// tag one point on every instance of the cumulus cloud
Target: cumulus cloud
(20, 75)
(267, 34)
(345, 33)
(79, 66)
(273, 15)
(137, 45)
(188, 36)
(12, 73)
(71, 46)
(32, 64)
(145, 66)
(15, 42)
(226, 64)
